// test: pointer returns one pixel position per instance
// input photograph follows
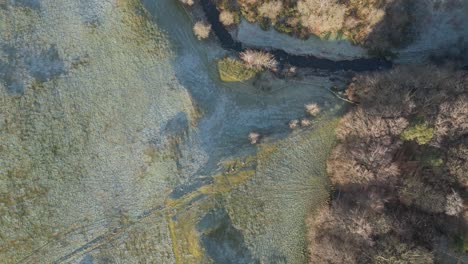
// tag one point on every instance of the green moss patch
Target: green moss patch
(231, 70)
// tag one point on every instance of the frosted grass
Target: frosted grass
(77, 148)
(110, 117)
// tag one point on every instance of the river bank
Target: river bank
(304, 61)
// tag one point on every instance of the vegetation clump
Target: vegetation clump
(202, 30)
(419, 132)
(254, 137)
(228, 18)
(270, 10)
(400, 186)
(258, 59)
(376, 24)
(305, 122)
(251, 62)
(229, 12)
(187, 2)
(232, 70)
(312, 109)
(293, 124)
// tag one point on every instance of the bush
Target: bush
(293, 124)
(227, 18)
(202, 30)
(258, 59)
(271, 9)
(187, 2)
(254, 137)
(231, 70)
(312, 109)
(305, 122)
(284, 28)
(419, 132)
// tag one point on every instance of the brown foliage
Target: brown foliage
(328, 243)
(396, 197)
(457, 163)
(376, 24)
(227, 18)
(258, 59)
(362, 124)
(452, 120)
(202, 30)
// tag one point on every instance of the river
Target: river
(260, 216)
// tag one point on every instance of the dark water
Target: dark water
(222, 241)
(303, 61)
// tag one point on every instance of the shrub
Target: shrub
(293, 124)
(321, 17)
(305, 122)
(231, 70)
(202, 30)
(258, 59)
(271, 9)
(284, 28)
(312, 109)
(227, 18)
(187, 2)
(254, 137)
(419, 132)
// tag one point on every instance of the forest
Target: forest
(399, 171)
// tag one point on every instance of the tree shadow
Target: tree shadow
(395, 30)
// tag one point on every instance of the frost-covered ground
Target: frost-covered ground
(441, 30)
(117, 139)
(86, 91)
(253, 35)
(269, 203)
